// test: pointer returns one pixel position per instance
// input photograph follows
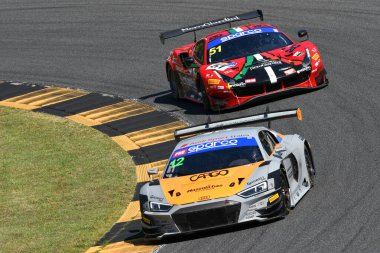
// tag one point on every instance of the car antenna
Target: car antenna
(195, 37)
(266, 113)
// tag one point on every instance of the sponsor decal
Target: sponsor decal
(171, 192)
(315, 57)
(265, 64)
(209, 175)
(222, 66)
(220, 87)
(240, 34)
(180, 153)
(208, 145)
(157, 198)
(317, 63)
(289, 71)
(213, 81)
(298, 54)
(204, 198)
(212, 145)
(308, 68)
(241, 84)
(212, 23)
(205, 188)
(250, 80)
(314, 50)
(256, 180)
(209, 75)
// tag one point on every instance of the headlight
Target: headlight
(159, 207)
(256, 189)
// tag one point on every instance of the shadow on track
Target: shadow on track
(192, 108)
(138, 239)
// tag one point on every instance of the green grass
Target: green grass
(62, 185)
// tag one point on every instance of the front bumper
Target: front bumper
(258, 93)
(211, 214)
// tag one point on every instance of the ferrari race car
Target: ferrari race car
(226, 177)
(243, 64)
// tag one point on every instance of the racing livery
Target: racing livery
(226, 177)
(243, 64)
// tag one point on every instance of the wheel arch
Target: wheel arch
(167, 68)
(308, 147)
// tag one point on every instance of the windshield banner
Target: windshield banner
(213, 145)
(240, 34)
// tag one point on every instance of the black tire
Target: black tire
(285, 193)
(174, 84)
(310, 167)
(206, 101)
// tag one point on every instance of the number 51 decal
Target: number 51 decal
(215, 49)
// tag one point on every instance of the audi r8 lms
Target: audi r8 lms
(226, 177)
(243, 64)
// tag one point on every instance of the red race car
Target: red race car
(243, 64)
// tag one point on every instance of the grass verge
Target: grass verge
(62, 185)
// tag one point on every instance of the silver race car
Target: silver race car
(224, 177)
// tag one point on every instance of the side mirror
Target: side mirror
(152, 171)
(303, 33)
(189, 62)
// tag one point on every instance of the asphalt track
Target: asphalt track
(113, 47)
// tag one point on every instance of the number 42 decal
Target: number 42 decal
(176, 163)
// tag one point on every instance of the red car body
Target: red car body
(196, 73)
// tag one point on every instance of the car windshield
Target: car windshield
(236, 46)
(212, 156)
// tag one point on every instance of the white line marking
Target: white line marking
(271, 74)
(258, 57)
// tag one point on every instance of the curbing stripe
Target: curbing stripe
(42, 97)
(121, 247)
(8, 90)
(81, 104)
(141, 170)
(155, 135)
(149, 143)
(138, 122)
(126, 143)
(152, 153)
(131, 213)
(112, 112)
(19, 106)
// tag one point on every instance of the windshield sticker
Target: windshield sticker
(213, 145)
(239, 34)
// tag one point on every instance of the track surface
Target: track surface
(113, 47)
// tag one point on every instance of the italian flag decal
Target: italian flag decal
(235, 30)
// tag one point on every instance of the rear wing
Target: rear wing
(193, 28)
(208, 127)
